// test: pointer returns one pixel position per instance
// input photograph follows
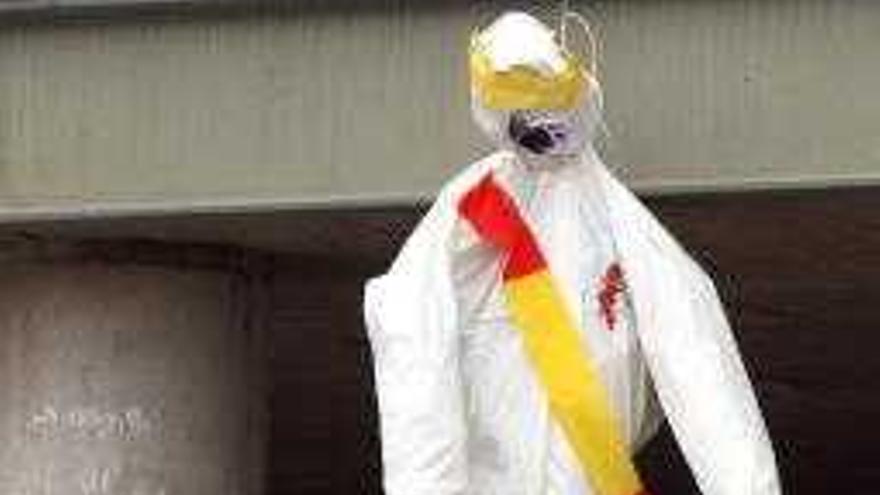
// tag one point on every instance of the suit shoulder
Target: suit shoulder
(471, 175)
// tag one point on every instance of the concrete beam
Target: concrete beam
(341, 107)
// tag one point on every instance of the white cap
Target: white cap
(517, 39)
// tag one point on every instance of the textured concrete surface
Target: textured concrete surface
(369, 104)
(129, 378)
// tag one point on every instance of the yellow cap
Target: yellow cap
(523, 87)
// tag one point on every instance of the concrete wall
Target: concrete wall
(129, 376)
(336, 105)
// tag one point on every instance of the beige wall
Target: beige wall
(370, 106)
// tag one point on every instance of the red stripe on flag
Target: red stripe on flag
(495, 216)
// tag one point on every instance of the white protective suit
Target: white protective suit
(461, 410)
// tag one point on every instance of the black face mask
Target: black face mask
(536, 138)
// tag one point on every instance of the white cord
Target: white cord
(588, 32)
(564, 7)
(593, 57)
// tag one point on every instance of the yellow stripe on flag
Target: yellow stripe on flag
(571, 379)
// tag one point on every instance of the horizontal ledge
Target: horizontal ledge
(62, 210)
(839, 219)
(14, 11)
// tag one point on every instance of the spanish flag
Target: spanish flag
(574, 388)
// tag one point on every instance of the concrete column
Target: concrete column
(130, 369)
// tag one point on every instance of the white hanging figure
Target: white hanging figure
(524, 334)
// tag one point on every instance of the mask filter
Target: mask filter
(539, 137)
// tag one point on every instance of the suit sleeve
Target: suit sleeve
(693, 358)
(411, 320)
